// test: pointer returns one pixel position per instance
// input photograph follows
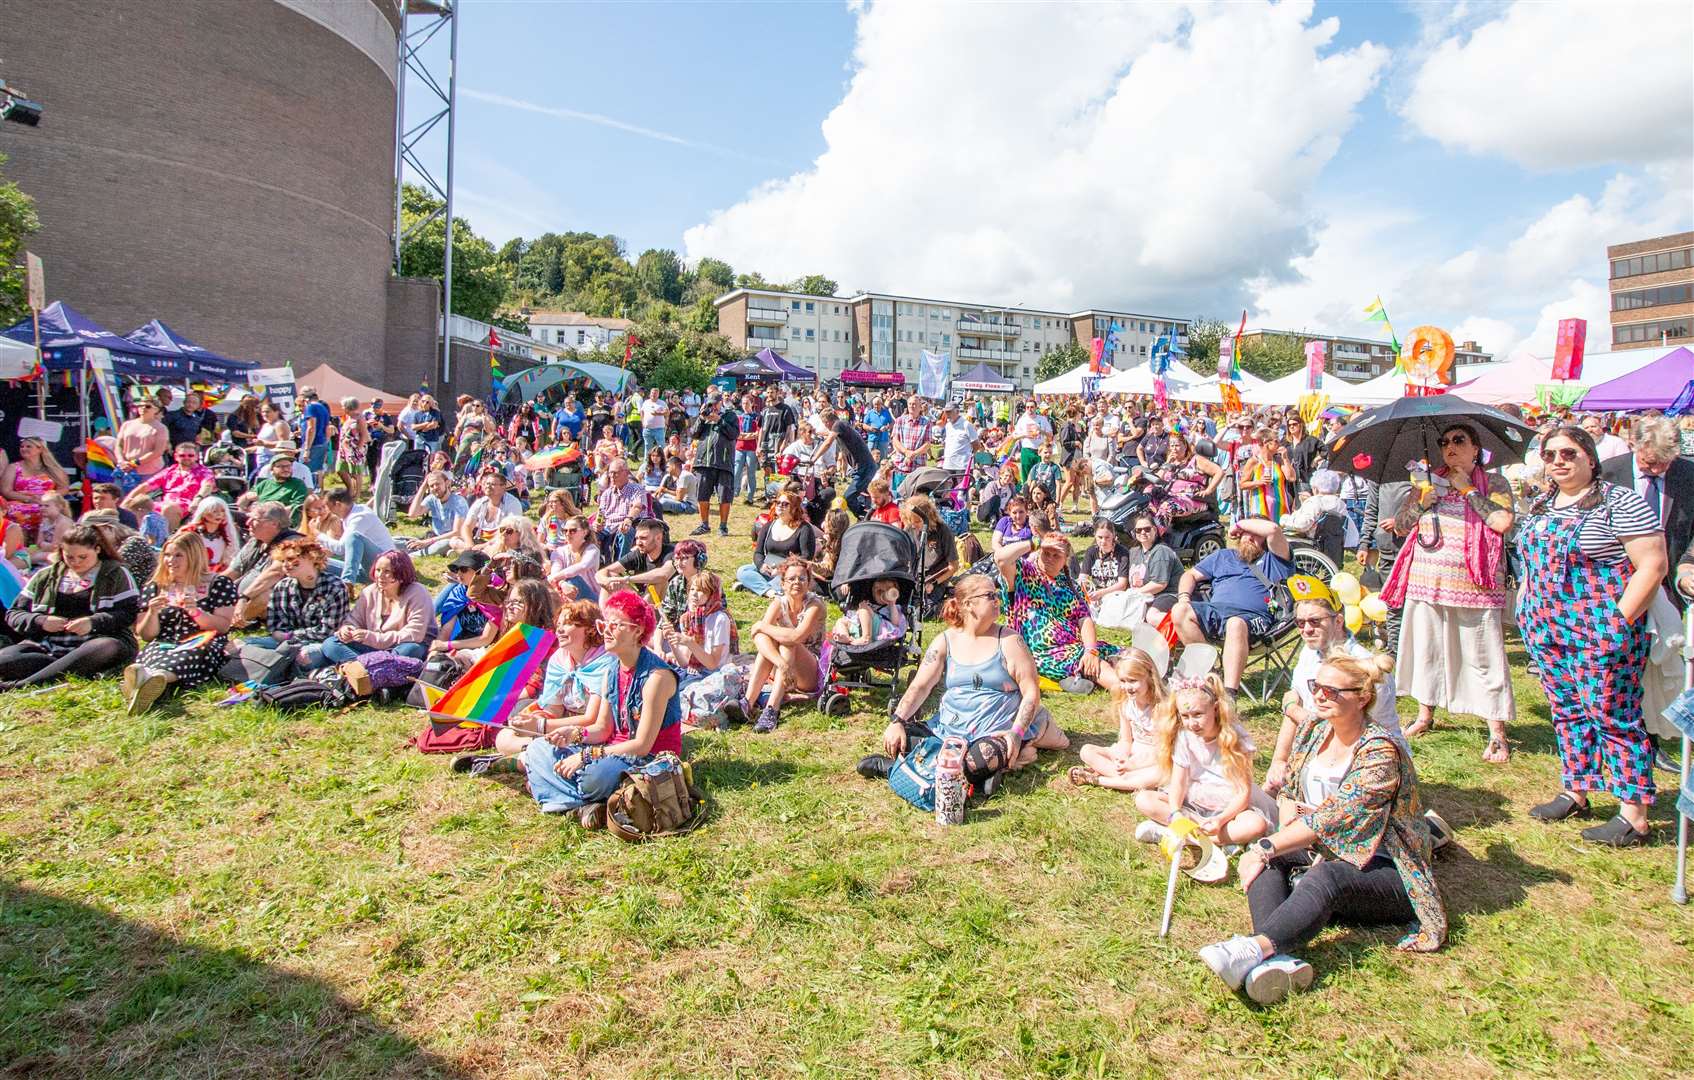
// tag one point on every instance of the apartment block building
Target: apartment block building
(1652, 289)
(889, 332)
(1358, 359)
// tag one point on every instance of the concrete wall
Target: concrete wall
(413, 352)
(224, 165)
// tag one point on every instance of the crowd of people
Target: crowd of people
(170, 574)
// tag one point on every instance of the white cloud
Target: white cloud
(1146, 155)
(1507, 296)
(1561, 85)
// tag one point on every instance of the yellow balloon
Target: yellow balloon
(1346, 588)
(840, 503)
(1355, 618)
(1374, 608)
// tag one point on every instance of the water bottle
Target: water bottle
(950, 782)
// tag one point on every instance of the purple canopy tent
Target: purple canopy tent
(984, 378)
(65, 332)
(789, 372)
(202, 363)
(1665, 383)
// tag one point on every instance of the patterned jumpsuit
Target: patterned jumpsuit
(1591, 660)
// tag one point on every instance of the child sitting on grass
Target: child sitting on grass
(1133, 762)
(1208, 759)
(55, 521)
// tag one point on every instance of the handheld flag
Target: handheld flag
(100, 468)
(1375, 312)
(11, 582)
(488, 692)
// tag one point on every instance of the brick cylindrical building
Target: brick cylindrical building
(223, 165)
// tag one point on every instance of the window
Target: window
(1645, 298)
(946, 339)
(581, 337)
(794, 304)
(1656, 263)
(794, 333)
(808, 335)
(1653, 332)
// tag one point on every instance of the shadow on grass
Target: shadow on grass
(1485, 886)
(731, 774)
(84, 992)
(1463, 807)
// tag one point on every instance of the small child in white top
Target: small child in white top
(1209, 758)
(878, 619)
(1132, 763)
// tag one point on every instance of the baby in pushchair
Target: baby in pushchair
(876, 618)
(875, 582)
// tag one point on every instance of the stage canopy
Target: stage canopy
(1662, 384)
(981, 377)
(532, 382)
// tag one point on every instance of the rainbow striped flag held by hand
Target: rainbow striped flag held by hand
(101, 468)
(488, 693)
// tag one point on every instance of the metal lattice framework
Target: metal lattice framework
(421, 22)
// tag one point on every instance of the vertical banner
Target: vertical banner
(1315, 353)
(1160, 400)
(277, 386)
(99, 363)
(1226, 356)
(1109, 354)
(935, 371)
(1096, 348)
(1567, 354)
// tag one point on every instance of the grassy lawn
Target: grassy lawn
(240, 892)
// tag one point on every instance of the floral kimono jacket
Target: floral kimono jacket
(1375, 811)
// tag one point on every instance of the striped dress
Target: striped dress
(1275, 498)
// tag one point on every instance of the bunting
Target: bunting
(1375, 312)
(497, 376)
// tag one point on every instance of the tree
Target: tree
(1271, 356)
(660, 275)
(813, 285)
(1060, 360)
(479, 286)
(715, 273)
(754, 280)
(1203, 336)
(18, 221)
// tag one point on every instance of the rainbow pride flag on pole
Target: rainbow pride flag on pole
(488, 692)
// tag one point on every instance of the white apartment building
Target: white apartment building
(888, 332)
(574, 329)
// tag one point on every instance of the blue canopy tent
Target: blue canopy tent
(533, 382)
(66, 332)
(203, 363)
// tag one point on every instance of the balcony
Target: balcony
(1003, 355)
(979, 328)
(767, 315)
(757, 343)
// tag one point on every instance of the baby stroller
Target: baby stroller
(408, 473)
(950, 494)
(870, 552)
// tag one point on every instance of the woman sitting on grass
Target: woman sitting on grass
(394, 613)
(992, 698)
(574, 561)
(528, 602)
(75, 617)
(787, 639)
(635, 718)
(1048, 611)
(186, 611)
(1356, 845)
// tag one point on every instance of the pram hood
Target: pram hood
(870, 551)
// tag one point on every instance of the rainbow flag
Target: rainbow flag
(488, 692)
(100, 468)
(11, 582)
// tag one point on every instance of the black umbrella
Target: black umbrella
(1383, 443)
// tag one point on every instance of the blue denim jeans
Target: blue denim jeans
(746, 473)
(357, 554)
(592, 783)
(336, 651)
(755, 582)
(652, 438)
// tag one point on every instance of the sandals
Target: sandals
(1558, 808)
(1616, 833)
(1498, 752)
(1083, 776)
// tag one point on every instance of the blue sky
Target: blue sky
(1479, 208)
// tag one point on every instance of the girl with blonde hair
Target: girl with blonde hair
(1144, 722)
(186, 612)
(1207, 760)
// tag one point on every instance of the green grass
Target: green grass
(242, 892)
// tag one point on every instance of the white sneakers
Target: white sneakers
(1240, 965)
(1149, 832)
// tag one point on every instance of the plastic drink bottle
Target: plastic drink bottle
(950, 782)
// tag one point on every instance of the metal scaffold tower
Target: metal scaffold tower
(421, 21)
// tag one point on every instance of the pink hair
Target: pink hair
(632, 606)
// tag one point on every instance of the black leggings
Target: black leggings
(983, 757)
(1289, 915)
(30, 662)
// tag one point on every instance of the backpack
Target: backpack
(306, 694)
(654, 802)
(913, 776)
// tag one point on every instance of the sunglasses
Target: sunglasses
(607, 628)
(1144, 529)
(1314, 621)
(1455, 439)
(1564, 455)
(1329, 693)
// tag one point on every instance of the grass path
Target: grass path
(228, 893)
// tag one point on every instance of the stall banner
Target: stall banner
(935, 371)
(1226, 356)
(276, 385)
(1567, 354)
(99, 362)
(1315, 351)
